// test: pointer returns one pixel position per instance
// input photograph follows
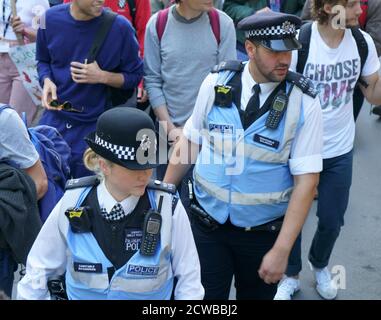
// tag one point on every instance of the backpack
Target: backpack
(132, 8)
(364, 14)
(54, 155)
(363, 50)
(214, 19)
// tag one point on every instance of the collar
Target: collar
(107, 201)
(249, 82)
(180, 18)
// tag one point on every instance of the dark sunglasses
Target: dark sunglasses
(66, 106)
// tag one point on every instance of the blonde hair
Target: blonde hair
(91, 161)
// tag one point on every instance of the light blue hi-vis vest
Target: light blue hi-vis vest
(244, 174)
(141, 278)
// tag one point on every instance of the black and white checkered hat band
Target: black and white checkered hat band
(122, 152)
(274, 31)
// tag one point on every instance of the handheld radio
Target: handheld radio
(277, 110)
(151, 231)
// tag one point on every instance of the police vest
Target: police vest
(244, 174)
(141, 278)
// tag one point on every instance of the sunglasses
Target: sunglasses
(66, 106)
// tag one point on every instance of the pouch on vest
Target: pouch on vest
(223, 96)
(79, 219)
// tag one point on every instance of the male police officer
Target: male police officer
(259, 131)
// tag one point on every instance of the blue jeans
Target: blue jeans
(7, 268)
(334, 186)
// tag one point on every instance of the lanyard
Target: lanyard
(6, 22)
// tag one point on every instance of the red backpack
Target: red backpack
(214, 19)
(362, 18)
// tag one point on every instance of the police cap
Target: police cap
(127, 137)
(273, 30)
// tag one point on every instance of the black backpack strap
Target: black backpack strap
(305, 39)
(105, 26)
(132, 7)
(362, 47)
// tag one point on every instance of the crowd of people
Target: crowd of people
(254, 103)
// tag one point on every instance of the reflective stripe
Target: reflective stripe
(238, 198)
(247, 199)
(214, 191)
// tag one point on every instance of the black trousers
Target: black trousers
(229, 251)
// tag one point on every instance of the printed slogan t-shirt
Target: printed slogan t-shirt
(335, 73)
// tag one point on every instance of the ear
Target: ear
(104, 167)
(328, 8)
(251, 49)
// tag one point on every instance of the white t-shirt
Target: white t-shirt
(306, 148)
(27, 10)
(335, 73)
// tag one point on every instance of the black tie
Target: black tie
(252, 107)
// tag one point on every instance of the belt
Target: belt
(209, 222)
(272, 226)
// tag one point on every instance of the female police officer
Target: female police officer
(117, 235)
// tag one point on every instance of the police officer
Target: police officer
(256, 132)
(117, 235)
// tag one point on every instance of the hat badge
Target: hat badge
(288, 27)
(145, 143)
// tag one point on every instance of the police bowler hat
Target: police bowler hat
(125, 136)
(273, 30)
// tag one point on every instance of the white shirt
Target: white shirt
(306, 148)
(335, 72)
(29, 12)
(48, 254)
(107, 201)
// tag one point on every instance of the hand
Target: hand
(273, 266)
(142, 95)
(174, 135)
(86, 73)
(17, 25)
(49, 93)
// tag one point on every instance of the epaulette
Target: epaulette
(81, 182)
(231, 65)
(303, 83)
(162, 186)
